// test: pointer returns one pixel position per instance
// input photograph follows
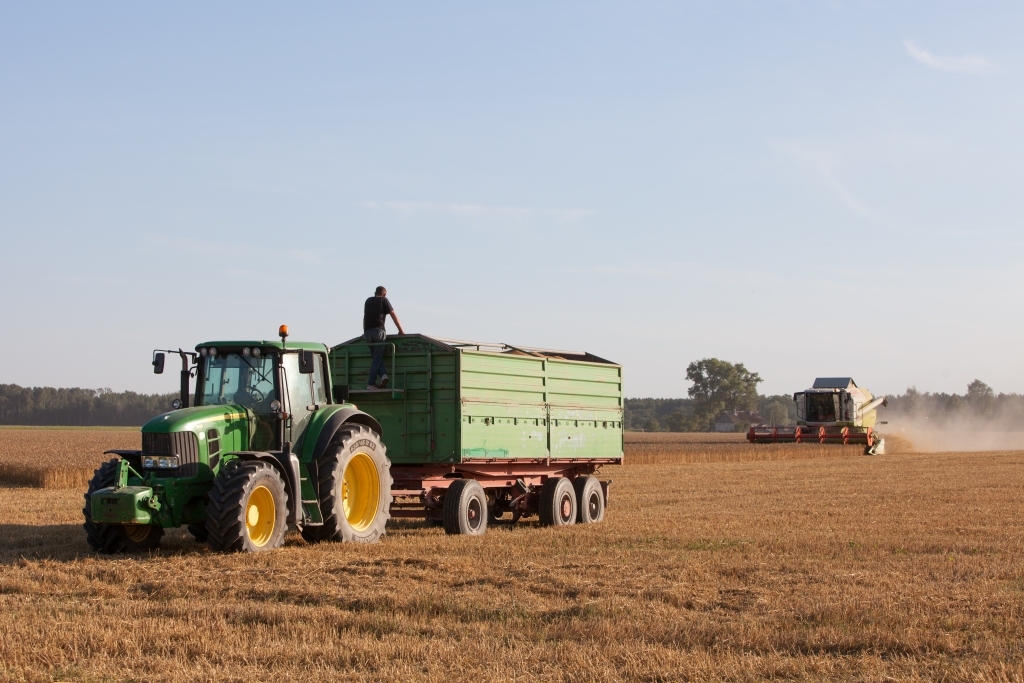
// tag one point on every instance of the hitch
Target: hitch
(124, 470)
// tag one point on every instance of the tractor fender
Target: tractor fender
(336, 422)
(287, 465)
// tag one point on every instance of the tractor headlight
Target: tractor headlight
(275, 406)
(256, 352)
(213, 351)
(159, 462)
(203, 352)
(176, 403)
(246, 352)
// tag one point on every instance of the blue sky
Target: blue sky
(811, 188)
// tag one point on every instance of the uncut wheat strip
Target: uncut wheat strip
(65, 478)
(21, 475)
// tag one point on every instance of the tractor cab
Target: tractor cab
(280, 387)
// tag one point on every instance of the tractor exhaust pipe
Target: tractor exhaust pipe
(185, 374)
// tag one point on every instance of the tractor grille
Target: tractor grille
(182, 444)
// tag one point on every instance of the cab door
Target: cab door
(300, 399)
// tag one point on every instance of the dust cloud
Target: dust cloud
(921, 435)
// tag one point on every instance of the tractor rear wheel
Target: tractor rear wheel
(115, 538)
(353, 487)
(465, 508)
(247, 508)
(589, 500)
(557, 502)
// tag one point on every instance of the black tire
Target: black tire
(465, 508)
(115, 538)
(240, 493)
(198, 532)
(357, 450)
(557, 503)
(589, 500)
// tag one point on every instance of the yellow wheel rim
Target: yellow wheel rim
(137, 532)
(260, 516)
(360, 491)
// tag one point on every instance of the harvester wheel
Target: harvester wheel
(354, 488)
(115, 538)
(465, 508)
(247, 508)
(589, 500)
(557, 502)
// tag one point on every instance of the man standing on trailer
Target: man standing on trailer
(375, 312)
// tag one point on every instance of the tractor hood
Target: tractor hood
(190, 419)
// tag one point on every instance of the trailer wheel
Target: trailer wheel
(465, 508)
(115, 538)
(557, 502)
(247, 509)
(354, 488)
(589, 500)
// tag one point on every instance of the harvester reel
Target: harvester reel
(115, 538)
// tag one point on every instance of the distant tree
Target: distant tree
(651, 425)
(776, 414)
(720, 385)
(980, 398)
(679, 422)
(636, 411)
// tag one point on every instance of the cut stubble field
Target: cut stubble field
(900, 567)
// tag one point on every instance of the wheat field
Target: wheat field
(895, 567)
(66, 458)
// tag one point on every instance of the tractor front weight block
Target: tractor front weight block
(124, 505)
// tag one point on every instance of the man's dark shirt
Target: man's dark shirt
(374, 312)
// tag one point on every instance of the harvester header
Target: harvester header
(834, 410)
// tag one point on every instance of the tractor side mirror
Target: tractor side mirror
(158, 363)
(306, 362)
(340, 393)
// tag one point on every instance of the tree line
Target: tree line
(79, 407)
(717, 386)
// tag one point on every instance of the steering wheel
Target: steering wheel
(255, 395)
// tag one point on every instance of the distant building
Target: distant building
(728, 420)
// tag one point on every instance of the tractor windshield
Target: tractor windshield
(236, 379)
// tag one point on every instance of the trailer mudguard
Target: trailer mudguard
(335, 422)
(287, 465)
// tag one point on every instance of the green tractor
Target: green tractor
(265, 444)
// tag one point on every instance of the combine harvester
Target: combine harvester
(833, 411)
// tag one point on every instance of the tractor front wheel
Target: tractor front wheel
(115, 538)
(354, 488)
(247, 509)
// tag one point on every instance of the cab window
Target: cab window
(319, 385)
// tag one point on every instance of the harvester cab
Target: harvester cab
(834, 410)
(261, 444)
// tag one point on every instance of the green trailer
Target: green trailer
(272, 438)
(474, 427)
